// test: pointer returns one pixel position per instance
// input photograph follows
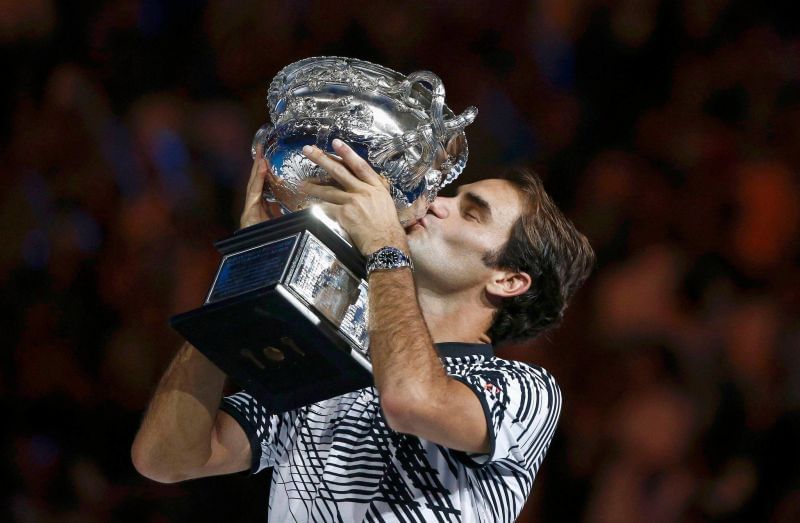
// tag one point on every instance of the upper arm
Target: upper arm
(226, 451)
(453, 417)
(230, 448)
(507, 411)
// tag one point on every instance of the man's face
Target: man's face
(448, 244)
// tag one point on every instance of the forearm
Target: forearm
(406, 367)
(417, 396)
(176, 432)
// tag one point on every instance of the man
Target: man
(449, 432)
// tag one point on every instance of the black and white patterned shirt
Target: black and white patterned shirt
(337, 460)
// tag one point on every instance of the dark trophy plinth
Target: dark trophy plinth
(286, 315)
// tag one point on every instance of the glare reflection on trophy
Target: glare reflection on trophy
(286, 315)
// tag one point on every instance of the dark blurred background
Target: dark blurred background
(669, 131)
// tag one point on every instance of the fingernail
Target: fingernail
(307, 149)
(337, 143)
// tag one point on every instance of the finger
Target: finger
(357, 165)
(326, 193)
(273, 210)
(338, 171)
(255, 168)
(255, 186)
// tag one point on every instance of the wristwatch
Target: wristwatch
(388, 258)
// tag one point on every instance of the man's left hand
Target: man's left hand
(362, 204)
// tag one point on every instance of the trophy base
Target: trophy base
(286, 315)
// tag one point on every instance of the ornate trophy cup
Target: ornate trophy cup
(286, 316)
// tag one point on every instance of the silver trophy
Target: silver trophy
(286, 315)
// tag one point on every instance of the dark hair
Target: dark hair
(547, 246)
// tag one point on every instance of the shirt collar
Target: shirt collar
(455, 349)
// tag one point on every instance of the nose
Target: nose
(440, 207)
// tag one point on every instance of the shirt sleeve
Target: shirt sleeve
(522, 405)
(269, 434)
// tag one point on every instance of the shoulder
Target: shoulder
(518, 371)
(523, 387)
(537, 376)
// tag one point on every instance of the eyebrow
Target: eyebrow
(482, 205)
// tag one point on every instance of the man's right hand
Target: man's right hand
(256, 209)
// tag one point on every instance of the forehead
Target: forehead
(504, 199)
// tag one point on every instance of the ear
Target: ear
(505, 284)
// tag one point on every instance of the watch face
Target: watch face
(388, 258)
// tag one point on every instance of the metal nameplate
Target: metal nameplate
(251, 269)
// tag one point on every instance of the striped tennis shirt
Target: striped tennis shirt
(337, 460)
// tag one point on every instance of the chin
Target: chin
(415, 245)
(424, 259)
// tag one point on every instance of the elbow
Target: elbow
(150, 466)
(401, 411)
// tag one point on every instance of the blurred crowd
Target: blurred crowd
(669, 131)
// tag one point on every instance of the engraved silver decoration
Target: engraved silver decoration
(399, 124)
(323, 281)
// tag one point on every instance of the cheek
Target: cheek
(469, 251)
(478, 244)
(465, 247)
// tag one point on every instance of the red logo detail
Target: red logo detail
(494, 389)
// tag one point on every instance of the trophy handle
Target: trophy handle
(437, 98)
(432, 136)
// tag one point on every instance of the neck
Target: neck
(461, 318)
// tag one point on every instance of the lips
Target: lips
(421, 223)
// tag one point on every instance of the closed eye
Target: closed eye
(476, 208)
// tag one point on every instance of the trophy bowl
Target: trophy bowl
(398, 123)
